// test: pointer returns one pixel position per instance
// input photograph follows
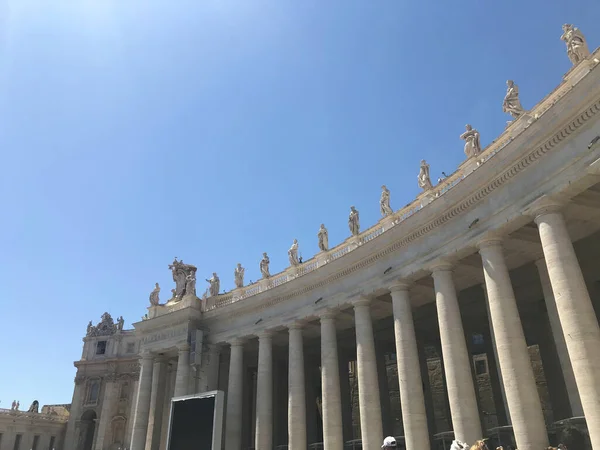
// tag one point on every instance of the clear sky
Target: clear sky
(135, 131)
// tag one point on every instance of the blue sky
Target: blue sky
(135, 131)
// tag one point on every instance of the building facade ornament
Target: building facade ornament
(238, 275)
(354, 221)
(384, 202)
(424, 178)
(577, 48)
(323, 236)
(106, 327)
(181, 272)
(293, 254)
(472, 143)
(215, 285)
(512, 103)
(154, 300)
(264, 266)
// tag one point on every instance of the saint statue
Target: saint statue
(323, 236)
(577, 48)
(512, 104)
(215, 285)
(354, 221)
(190, 284)
(293, 254)
(18, 405)
(14, 405)
(472, 144)
(424, 178)
(239, 275)
(120, 323)
(154, 300)
(384, 202)
(264, 266)
(89, 328)
(180, 273)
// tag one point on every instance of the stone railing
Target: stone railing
(33, 416)
(512, 131)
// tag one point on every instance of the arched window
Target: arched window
(93, 392)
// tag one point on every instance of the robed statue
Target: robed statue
(238, 273)
(180, 277)
(577, 48)
(293, 254)
(264, 266)
(424, 177)
(323, 236)
(215, 285)
(354, 221)
(472, 144)
(154, 300)
(384, 202)
(512, 103)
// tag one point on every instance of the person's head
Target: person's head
(389, 442)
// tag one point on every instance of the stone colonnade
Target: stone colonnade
(575, 318)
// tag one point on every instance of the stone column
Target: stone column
(296, 392)
(414, 416)
(576, 313)
(457, 363)
(559, 339)
(233, 421)
(142, 409)
(182, 379)
(76, 403)
(368, 383)
(264, 393)
(333, 438)
(517, 374)
(157, 401)
(108, 404)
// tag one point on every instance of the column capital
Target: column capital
(264, 335)
(328, 314)
(159, 358)
(490, 240)
(183, 348)
(237, 342)
(361, 301)
(441, 265)
(146, 355)
(297, 325)
(544, 205)
(400, 286)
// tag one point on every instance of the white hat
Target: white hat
(389, 442)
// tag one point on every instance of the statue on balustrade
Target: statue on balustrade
(424, 178)
(472, 144)
(89, 328)
(120, 323)
(13, 406)
(34, 408)
(190, 284)
(293, 254)
(154, 300)
(264, 266)
(239, 276)
(354, 221)
(180, 274)
(577, 48)
(215, 285)
(384, 202)
(512, 103)
(323, 236)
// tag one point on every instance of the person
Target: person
(389, 442)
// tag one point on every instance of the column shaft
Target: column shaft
(182, 378)
(576, 313)
(76, 402)
(233, 421)
(296, 392)
(457, 362)
(333, 438)
(517, 374)
(108, 403)
(368, 383)
(142, 409)
(156, 404)
(414, 416)
(264, 394)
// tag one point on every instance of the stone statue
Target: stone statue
(154, 300)
(512, 104)
(472, 144)
(215, 285)
(238, 274)
(577, 48)
(14, 405)
(354, 221)
(180, 274)
(323, 236)
(293, 254)
(173, 293)
(424, 178)
(384, 202)
(18, 405)
(190, 284)
(264, 266)
(89, 328)
(120, 323)
(34, 408)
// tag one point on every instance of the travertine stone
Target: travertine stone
(457, 364)
(296, 391)
(154, 300)
(517, 374)
(233, 421)
(182, 378)
(330, 385)
(384, 202)
(559, 340)
(576, 313)
(414, 417)
(238, 274)
(293, 254)
(264, 393)
(354, 222)
(472, 143)
(371, 428)
(264, 266)
(76, 404)
(424, 178)
(215, 285)
(157, 397)
(512, 103)
(323, 236)
(142, 410)
(577, 48)
(108, 404)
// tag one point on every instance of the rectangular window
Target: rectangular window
(124, 391)
(481, 366)
(51, 446)
(130, 347)
(17, 445)
(100, 347)
(93, 391)
(36, 440)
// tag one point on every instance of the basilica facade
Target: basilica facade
(472, 312)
